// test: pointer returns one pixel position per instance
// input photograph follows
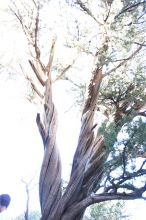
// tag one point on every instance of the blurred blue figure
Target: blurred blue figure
(4, 201)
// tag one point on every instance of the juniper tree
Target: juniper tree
(104, 167)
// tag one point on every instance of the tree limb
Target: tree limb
(124, 61)
(37, 73)
(34, 87)
(87, 11)
(129, 8)
(64, 70)
(96, 198)
(52, 50)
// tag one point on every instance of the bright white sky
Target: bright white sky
(21, 149)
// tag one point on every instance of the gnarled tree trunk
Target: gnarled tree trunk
(87, 168)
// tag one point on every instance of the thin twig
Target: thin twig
(64, 71)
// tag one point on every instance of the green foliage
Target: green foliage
(137, 138)
(86, 35)
(135, 134)
(109, 210)
(110, 134)
(123, 91)
(111, 130)
(121, 166)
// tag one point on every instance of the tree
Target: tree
(28, 188)
(102, 167)
(28, 215)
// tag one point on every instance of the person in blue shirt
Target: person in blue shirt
(4, 201)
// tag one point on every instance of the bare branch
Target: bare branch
(64, 71)
(49, 65)
(93, 90)
(96, 198)
(87, 11)
(34, 2)
(37, 50)
(124, 61)
(80, 86)
(19, 17)
(144, 162)
(34, 87)
(37, 73)
(119, 181)
(140, 44)
(108, 14)
(129, 8)
(25, 28)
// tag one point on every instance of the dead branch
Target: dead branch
(65, 70)
(37, 50)
(37, 73)
(34, 87)
(93, 90)
(52, 50)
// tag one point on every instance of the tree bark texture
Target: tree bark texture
(87, 168)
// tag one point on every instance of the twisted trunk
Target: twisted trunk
(87, 168)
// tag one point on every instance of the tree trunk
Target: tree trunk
(87, 168)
